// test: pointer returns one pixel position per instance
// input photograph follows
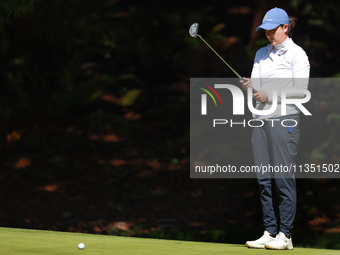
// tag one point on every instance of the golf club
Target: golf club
(193, 31)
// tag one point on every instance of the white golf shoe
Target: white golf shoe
(281, 243)
(260, 243)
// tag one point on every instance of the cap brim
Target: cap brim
(267, 26)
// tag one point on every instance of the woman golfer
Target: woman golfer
(279, 66)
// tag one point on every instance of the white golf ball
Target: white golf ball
(81, 246)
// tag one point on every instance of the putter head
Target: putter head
(193, 30)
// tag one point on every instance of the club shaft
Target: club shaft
(239, 76)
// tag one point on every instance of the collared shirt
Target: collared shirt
(276, 68)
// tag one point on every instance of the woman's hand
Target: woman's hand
(261, 96)
(245, 83)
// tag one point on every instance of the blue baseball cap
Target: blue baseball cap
(274, 18)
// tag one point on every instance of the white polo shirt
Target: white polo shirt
(278, 67)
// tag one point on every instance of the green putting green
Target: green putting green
(23, 241)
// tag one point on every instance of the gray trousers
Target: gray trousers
(277, 146)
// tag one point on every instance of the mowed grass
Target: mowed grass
(23, 241)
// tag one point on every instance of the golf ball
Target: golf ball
(81, 246)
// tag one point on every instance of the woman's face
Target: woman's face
(277, 35)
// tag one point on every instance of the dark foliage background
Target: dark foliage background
(94, 108)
